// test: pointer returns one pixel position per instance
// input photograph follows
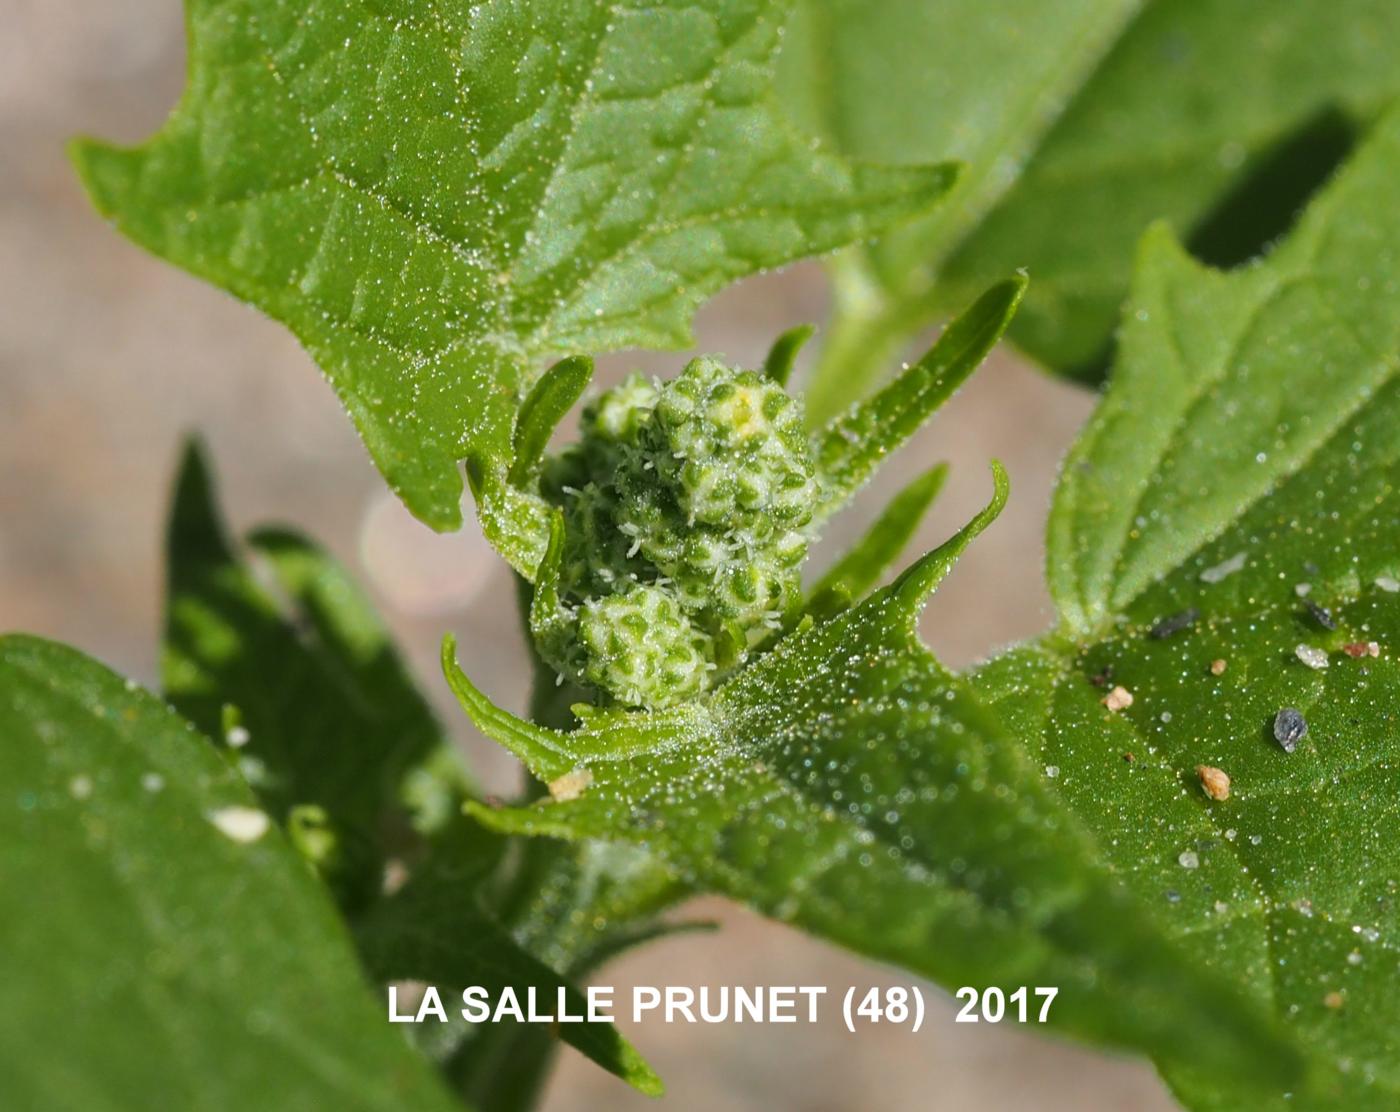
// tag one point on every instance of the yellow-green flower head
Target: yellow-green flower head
(687, 513)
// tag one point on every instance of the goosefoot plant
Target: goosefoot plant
(1179, 806)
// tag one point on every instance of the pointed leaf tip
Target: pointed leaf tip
(858, 571)
(547, 615)
(914, 587)
(777, 367)
(540, 413)
(850, 448)
(541, 750)
(195, 526)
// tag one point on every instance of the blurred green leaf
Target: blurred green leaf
(164, 946)
(899, 79)
(987, 80)
(1080, 123)
(327, 714)
(435, 930)
(848, 784)
(331, 718)
(436, 197)
(1236, 499)
(1218, 117)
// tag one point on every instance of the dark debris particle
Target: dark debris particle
(1290, 727)
(1103, 678)
(1175, 623)
(1321, 615)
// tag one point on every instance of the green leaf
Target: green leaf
(435, 930)
(436, 197)
(778, 364)
(852, 446)
(1185, 123)
(1235, 497)
(849, 784)
(1079, 124)
(1240, 400)
(855, 573)
(988, 81)
(326, 712)
(333, 720)
(185, 958)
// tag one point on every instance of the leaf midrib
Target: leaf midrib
(506, 310)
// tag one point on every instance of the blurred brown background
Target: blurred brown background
(108, 357)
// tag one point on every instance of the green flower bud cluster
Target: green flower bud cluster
(687, 513)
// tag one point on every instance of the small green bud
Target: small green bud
(619, 415)
(640, 648)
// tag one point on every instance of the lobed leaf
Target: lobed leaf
(1238, 398)
(436, 197)
(1225, 545)
(847, 783)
